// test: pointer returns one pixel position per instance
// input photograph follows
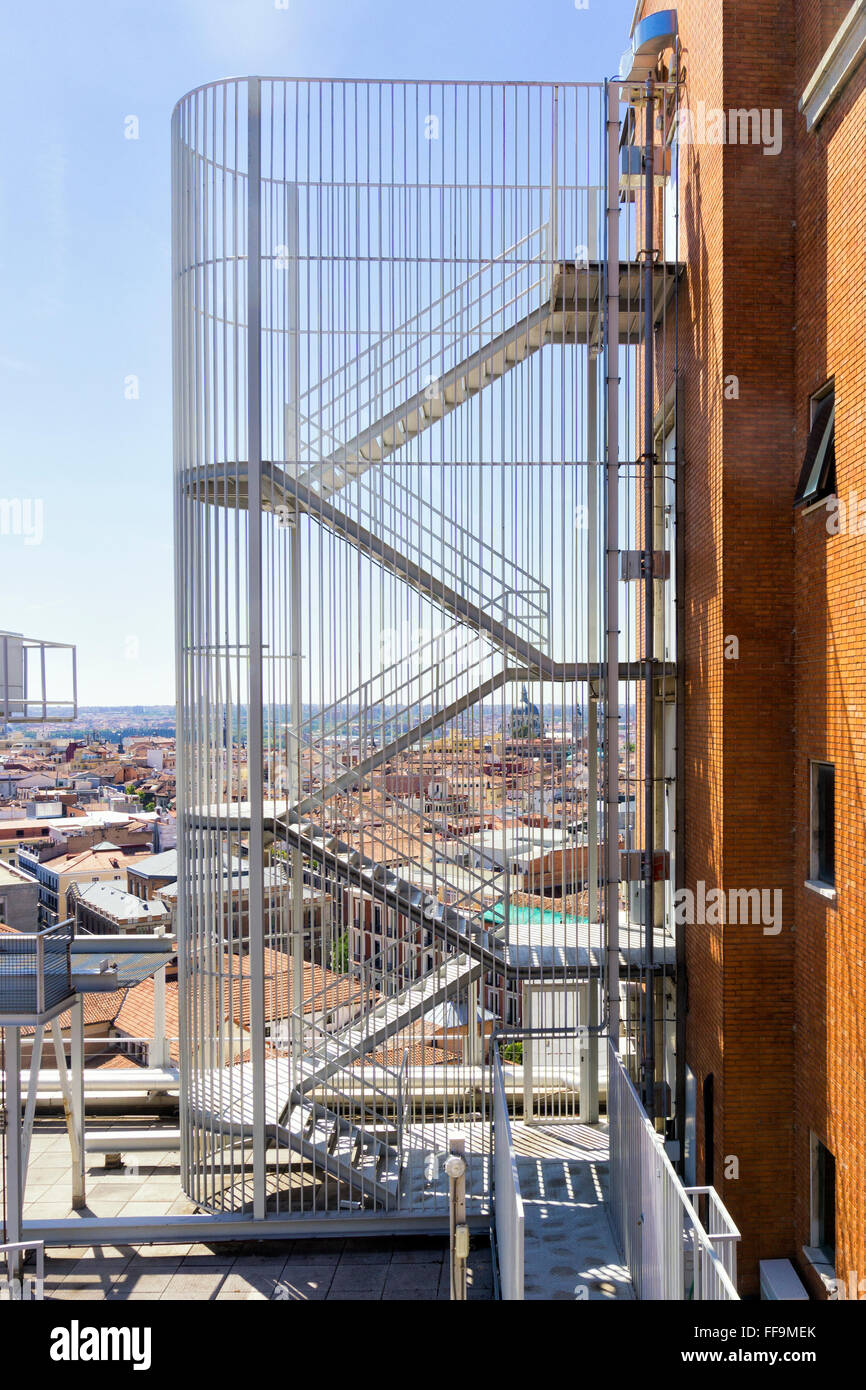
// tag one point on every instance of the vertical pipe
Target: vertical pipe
(159, 1055)
(611, 703)
(679, 824)
(589, 1104)
(455, 1168)
(30, 1106)
(76, 1038)
(13, 1144)
(553, 248)
(296, 668)
(255, 730)
(649, 596)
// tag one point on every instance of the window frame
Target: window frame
(818, 1195)
(817, 481)
(816, 880)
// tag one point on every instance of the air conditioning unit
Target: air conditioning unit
(780, 1282)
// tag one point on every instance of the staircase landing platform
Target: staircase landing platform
(569, 1249)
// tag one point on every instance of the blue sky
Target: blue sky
(85, 254)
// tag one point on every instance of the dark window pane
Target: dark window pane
(826, 1199)
(818, 474)
(826, 816)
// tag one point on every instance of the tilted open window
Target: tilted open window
(818, 474)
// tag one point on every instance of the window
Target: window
(818, 474)
(823, 1232)
(822, 866)
(671, 200)
(690, 1167)
(709, 1130)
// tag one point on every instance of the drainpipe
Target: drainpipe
(611, 651)
(649, 667)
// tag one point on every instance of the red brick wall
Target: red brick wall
(829, 657)
(776, 252)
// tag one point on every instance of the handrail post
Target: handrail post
(455, 1167)
(611, 686)
(40, 974)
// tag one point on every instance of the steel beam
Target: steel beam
(255, 729)
(611, 694)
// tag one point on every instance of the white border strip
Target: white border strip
(836, 66)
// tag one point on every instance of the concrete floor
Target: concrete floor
(293, 1270)
(569, 1249)
(287, 1271)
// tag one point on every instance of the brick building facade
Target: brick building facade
(771, 314)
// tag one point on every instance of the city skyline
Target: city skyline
(89, 425)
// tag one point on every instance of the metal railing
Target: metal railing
(35, 970)
(718, 1225)
(18, 1287)
(25, 680)
(422, 348)
(669, 1254)
(507, 1202)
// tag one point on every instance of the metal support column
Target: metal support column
(14, 1184)
(30, 1104)
(76, 1036)
(296, 716)
(611, 654)
(69, 1112)
(589, 1102)
(649, 602)
(159, 1051)
(255, 731)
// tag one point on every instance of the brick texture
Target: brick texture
(775, 249)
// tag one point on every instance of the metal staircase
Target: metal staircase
(338, 1050)
(366, 1165)
(359, 1151)
(475, 334)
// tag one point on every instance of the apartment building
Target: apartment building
(105, 862)
(18, 898)
(771, 452)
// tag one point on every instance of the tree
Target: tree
(340, 954)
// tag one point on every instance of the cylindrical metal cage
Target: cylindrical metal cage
(389, 408)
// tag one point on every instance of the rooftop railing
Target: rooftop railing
(669, 1253)
(35, 971)
(38, 680)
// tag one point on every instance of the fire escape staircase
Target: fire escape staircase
(456, 571)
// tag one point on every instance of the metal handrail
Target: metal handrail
(500, 1108)
(467, 549)
(418, 983)
(408, 327)
(401, 1113)
(707, 1262)
(361, 692)
(358, 1054)
(470, 899)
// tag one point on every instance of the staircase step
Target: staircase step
(336, 1146)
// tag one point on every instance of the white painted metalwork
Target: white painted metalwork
(388, 297)
(666, 1247)
(18, 1287)
(508, 1203)
(716, 1220)
(38, 680)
